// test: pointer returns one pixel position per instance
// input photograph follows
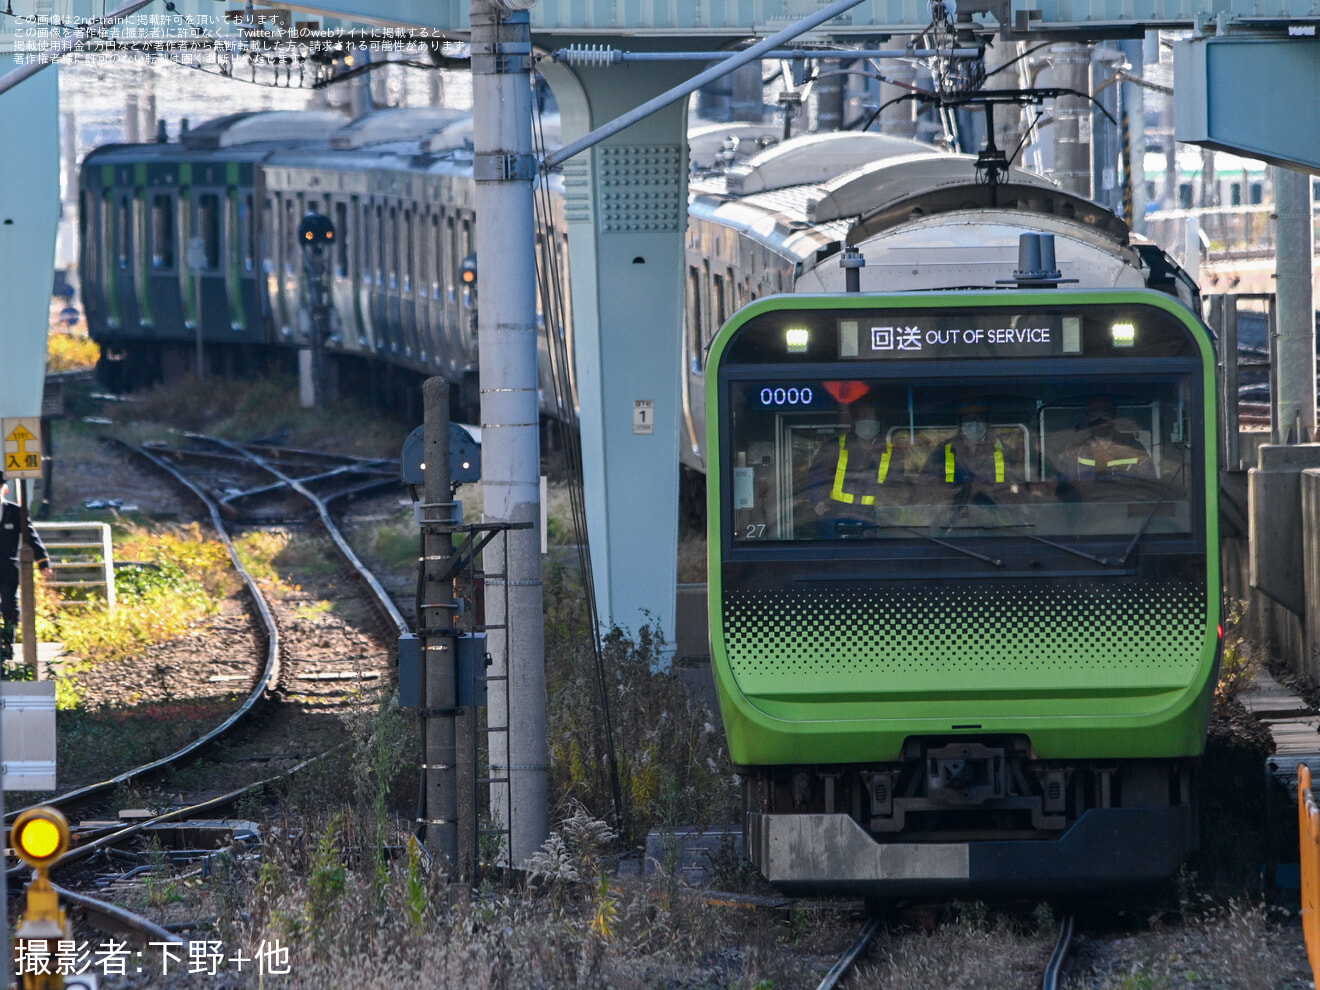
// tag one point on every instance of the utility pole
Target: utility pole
(505, 168)
(435, 622)
(1072, 118)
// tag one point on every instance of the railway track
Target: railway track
(291, 681)
(844, 965)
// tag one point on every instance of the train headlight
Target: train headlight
(797, 339)
(40, 836)
(1124, 334)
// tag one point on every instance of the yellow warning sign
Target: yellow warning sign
(22, 447)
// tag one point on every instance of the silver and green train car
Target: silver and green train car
(961, 664)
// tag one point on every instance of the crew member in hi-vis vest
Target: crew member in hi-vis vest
(973, 459)
(1106, 454)
(851, 471)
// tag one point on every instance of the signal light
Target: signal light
(467, 272)
(40, 836)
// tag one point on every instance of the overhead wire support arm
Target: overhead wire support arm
(728, 66)
(599, 56)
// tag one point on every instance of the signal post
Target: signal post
(39, 837)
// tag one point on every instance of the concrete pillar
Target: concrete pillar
(1133, 100)
(1294, 405)
(1072, 119)
(900, 119)
(627, 277)
(132, 118)
(29, 215)
(829, 97)
(747, 97)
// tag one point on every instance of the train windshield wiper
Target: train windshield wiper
(1104, 561)
(953, 546)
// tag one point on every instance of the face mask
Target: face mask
(867, 429)
(973, 430)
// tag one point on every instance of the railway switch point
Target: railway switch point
(40, 836)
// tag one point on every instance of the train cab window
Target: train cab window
(341, 247)
(162, 231)
(209, 230)
(1045, 458)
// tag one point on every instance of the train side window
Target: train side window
(1257, 193)
(267, 234)
(409, 252)
(392, 246)
(449, 264)
(721, 309)
(162, 231)
(379, 260)
(694, 318)
(208, 228)
(434, 252)
(290, 235)
(124, 232)
(247, 233)
(341, 233)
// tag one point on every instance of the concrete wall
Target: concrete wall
(1276, 573)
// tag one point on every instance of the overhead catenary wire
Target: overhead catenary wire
(550, 272)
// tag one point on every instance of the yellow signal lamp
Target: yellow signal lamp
(40, 836)
(467, 272)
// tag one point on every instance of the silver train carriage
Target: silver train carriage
(204, 230)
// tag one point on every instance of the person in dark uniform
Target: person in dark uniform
(12, 522)
(850, 472)
(1106, 454)
(972, 461)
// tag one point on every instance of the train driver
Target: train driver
(852, 470)
(972, 459)
(1106, 454)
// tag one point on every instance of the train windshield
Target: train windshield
(1052, 457)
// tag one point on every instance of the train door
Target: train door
(342, 280)
(246, 261)
(291, 274)
(431, 259)
(360, 256)
(163, 261)
(206, 263)
(91, 238)
(406, 259)
(124, 234)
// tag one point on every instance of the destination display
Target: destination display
(895, 337)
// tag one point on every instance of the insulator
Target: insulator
(591, 56)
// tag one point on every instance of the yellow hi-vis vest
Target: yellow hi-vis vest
(949, 466)
(841, 471)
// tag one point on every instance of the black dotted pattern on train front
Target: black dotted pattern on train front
(966, 629)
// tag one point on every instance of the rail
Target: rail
(265, 683)
(1308, 822)
(840, 969)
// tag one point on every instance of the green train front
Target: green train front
(958, 686)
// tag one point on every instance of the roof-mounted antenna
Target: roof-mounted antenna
(1035, 268)
(852, 261)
